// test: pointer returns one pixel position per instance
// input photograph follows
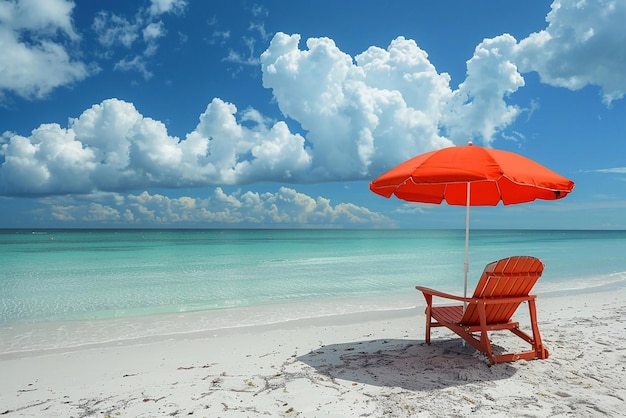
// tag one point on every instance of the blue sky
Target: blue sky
(174, 113)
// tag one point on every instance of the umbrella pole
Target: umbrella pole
(466, 264)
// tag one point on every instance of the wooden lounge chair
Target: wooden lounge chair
(503, 286)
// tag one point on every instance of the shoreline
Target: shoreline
(360, 364)
(73, 335)
(56, 336)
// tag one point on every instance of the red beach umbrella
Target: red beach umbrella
(472, 176)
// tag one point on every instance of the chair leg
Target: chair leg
(485, 343)
(429, 304)
(538, 350)
(542, 353)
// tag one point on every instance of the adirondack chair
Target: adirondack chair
(503, 286)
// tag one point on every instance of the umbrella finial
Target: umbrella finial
(469, 143)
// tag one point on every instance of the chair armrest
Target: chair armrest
(487, 301)
(432, 292)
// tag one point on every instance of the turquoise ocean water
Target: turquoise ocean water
(67, 275)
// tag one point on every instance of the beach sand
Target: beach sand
(361, 365)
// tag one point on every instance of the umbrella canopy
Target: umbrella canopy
(471, 176)
(494, 175)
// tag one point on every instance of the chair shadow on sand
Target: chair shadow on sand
(409, 364)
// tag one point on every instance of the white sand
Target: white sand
(360, 365)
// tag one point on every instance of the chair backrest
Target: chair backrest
(512, 276)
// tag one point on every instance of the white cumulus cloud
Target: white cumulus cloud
(112, 147)
(36, 37)
(360, 115)
(479, 108)
(285, 207)
(583, 44)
